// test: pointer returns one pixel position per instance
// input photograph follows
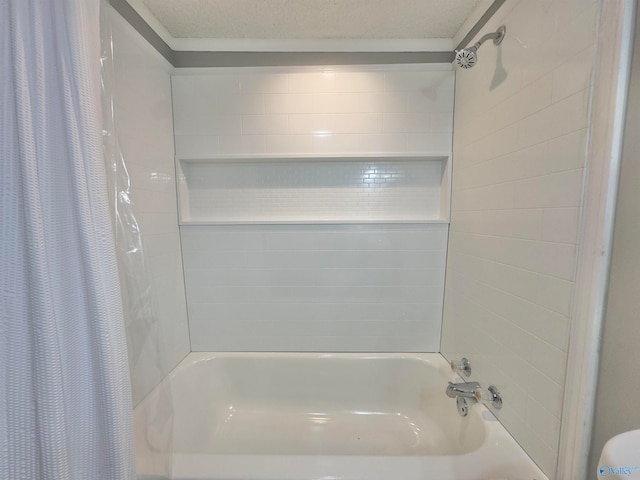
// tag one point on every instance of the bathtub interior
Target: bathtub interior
(318, 404)
(294, 416)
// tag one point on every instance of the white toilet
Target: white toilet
(620, 457)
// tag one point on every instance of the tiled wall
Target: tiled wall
(314, 190)
(341, 287)
(315, 288)
(519, 152)
(157, 334)
(303, 111)
(614, 413)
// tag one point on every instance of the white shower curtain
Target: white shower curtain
(65, 402)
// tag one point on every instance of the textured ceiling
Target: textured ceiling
(311, 19)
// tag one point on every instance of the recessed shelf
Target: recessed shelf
(314, 189)
(434, 157)
(315, 222)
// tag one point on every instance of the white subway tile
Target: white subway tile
(542, 423)
(553, 391)
(241, 144)
(158, 179)
(441, 122)
(389, 102)
(549, 360)
(312, 82)
(358, 81)
(336, 123)
(570, 114)
(517, 281)
(545, 457)
(433, 84)
(574, 74)
(312, 125)
(500, 143)
(548, 325)
(428, 142)
(561, 225)
(555, 294)
(358, 123)
(146, 156)
(362, 343)
(341, 327)
(337, 144)
(185, 86)
(406, 123)
(289, 144)
(337, 102)
(556, 190)
(529, 100)
(567, 152)
(382, 143)
(529, 162)
(241, 104)
(210, 123)
(490, 197)
(265, 125)
(194, 110)
(556, 259)
(263, 83)
(561, 118)
(291, 103)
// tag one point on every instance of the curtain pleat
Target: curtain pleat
(65, 401)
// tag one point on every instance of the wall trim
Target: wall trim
(311, 45)
(143, 28)
(602, 171)
(200, 59)
(493, 8)
(286, 59)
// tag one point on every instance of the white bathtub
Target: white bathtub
(281, 416)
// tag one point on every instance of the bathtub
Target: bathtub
(295, 416)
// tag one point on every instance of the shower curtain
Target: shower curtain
(65, 401)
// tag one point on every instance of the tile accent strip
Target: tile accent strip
(187, 59)
(495, 6)
(143, 28)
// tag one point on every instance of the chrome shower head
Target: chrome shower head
(468, 57)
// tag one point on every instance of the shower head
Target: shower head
(468, 57)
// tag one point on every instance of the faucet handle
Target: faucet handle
(489, 396)
(461, 367)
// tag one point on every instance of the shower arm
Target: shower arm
(496, 36)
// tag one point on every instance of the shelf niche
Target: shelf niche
(314, 190)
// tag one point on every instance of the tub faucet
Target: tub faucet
(465, 394)
(464, 389)
(468, 393)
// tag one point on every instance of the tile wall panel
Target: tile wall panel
(374, 190)
(144, 126)
(314, 287)
(347, 287)
(306, 111)
(521, 126)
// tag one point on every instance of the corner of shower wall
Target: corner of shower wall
(520, 147)
(138, 141)
(612, 95)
